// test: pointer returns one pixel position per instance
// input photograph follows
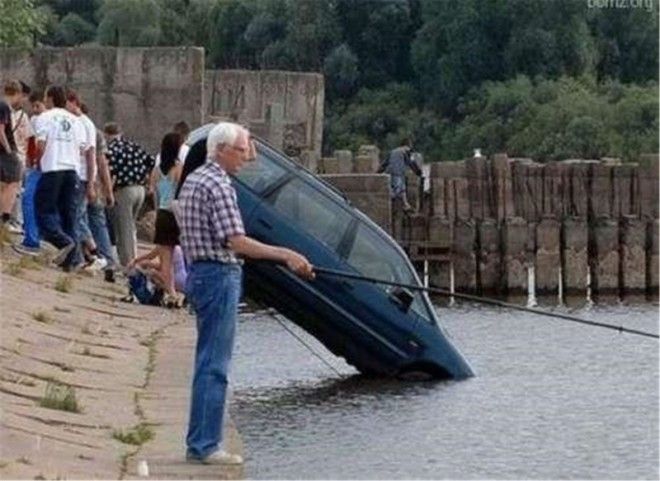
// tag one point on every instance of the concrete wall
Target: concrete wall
(369, 193)
(496, 218)
(146, 90)
(284, 107)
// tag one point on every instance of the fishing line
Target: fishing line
(268, 312)
(483, 300)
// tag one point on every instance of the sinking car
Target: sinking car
(379, 329)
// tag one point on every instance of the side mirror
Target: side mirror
(403, 297)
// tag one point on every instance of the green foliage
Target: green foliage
(136, 436)
(557, 119)
(341, 71)
(73, 30)
(20, 22)
(536, 78)
(129, 22)
(60, 396)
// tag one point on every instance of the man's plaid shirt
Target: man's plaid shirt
(209, 215)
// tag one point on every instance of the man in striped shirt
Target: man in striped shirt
(212, 235)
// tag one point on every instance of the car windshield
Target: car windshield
(372, 256)
(314, 212)
(261, 173)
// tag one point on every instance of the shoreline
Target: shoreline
(115, 375)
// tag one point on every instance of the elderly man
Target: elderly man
(212, 236)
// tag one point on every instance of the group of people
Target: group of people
(81, 189)
(77, 178)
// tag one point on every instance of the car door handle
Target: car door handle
(266, 224)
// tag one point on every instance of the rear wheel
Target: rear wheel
(423, 371)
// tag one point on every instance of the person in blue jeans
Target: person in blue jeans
(212, 237)
(60, 139)
(30, 244)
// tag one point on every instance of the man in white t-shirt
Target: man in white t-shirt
(60, 139)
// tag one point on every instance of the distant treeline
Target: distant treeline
(542, 78)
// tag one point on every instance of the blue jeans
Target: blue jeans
(55, 200)
(213, 289)
(30, 227)
(83, 232)
(98, 224)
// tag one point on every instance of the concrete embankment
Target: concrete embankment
(91, 386)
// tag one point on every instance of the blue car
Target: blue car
(378, 329)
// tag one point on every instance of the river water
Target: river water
(551, 400)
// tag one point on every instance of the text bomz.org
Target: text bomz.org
(622, 4)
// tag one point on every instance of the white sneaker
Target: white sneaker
(218, 457)
(24, 250)
(62, 253)
(13, 228)
(97, 264)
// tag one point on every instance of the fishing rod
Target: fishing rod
(483, 300)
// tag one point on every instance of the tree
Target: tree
(73, 30)
(129, 23)
(341, 72)
(19, 23)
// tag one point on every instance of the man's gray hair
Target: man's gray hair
(223, 133)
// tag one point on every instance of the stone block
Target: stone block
(344, 161)
(547, 261)
(475, 168)
(623, 184)
(460, 199)
(502, 187)
(652, 258)
(464, 260)
(579, 191)
(647, 175)
(553, 189)
(373, 153)
(439, 197)
(418, 232)
(440, 274)
(604, 258)
(575, 260)
(364, 165)
(514, 256)
(600, 194)
(440, 231)
(527, 184)
(633, 255)
(489, 257)
(330, 165)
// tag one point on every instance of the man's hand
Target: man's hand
(300, 265)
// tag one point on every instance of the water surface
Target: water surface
(551, 400)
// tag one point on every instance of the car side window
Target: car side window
(311, 210)
(261, 173)
(373, 256)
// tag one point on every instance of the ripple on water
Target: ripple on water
(551, 400)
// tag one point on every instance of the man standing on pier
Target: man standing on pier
(212, 236)
(395, 164)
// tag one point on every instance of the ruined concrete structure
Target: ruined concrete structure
(148, 90)
(286, 108)
(579, 223)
